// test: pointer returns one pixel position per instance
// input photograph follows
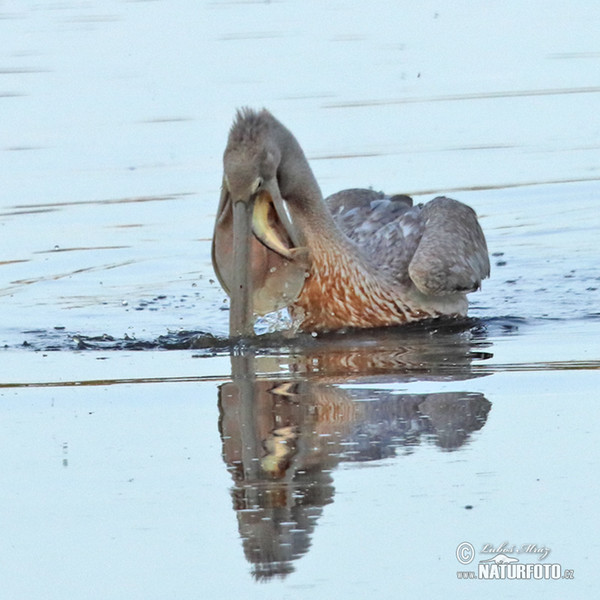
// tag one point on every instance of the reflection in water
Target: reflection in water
(283, 438)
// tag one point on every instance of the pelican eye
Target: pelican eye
(257, 184)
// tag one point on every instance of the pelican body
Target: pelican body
(356, 259)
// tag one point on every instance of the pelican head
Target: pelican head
(258, 252)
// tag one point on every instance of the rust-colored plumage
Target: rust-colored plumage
(349, 293)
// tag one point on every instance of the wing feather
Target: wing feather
(452, 255)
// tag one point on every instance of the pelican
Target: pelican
(358, 259)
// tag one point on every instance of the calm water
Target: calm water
(331, 467)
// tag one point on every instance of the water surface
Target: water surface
(140, 456)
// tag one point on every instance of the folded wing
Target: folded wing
(439, 246)
(452, 255)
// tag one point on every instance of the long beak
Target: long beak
(241, 323)
(257, 256)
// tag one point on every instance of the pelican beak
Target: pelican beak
(257, 256)
(241, 322)
(232, 257)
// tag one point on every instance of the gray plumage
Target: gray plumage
(439, 246)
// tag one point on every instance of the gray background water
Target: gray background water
(114, 118)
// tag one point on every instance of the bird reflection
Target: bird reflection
(283, 437)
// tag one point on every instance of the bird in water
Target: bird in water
(358, 258)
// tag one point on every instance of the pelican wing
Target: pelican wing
(361, 213)
(386, 230)
(452, 254)
(439, 247)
